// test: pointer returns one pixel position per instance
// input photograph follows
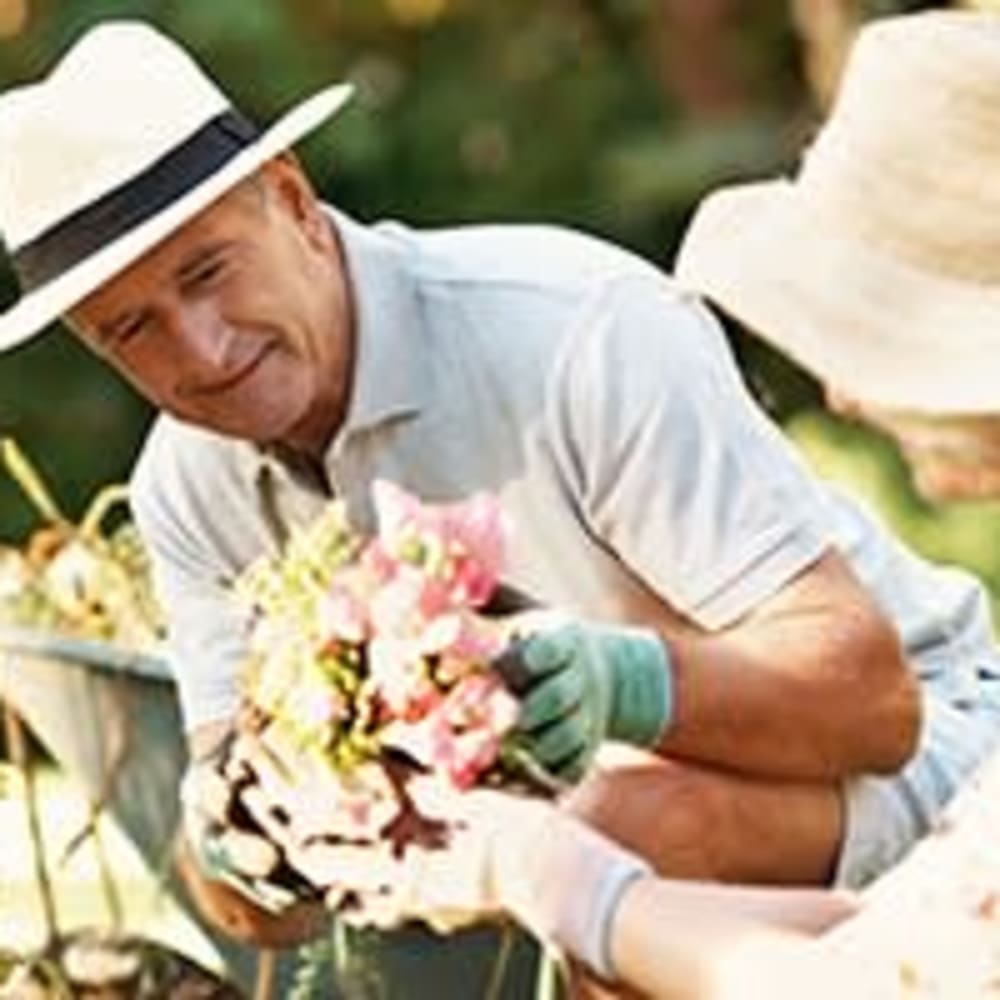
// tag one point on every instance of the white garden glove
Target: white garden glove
(520, 856)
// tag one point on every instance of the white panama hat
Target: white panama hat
(122, 143)
(878, 267)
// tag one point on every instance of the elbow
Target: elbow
(893, 706)
(900, 725)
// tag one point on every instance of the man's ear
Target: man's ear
(289, 184)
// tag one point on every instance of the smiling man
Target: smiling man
(764, 649)
(240, 322)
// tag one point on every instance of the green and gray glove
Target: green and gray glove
(582, 684)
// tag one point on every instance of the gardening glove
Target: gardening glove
(581, 684)
(222, 851)
(523, 857)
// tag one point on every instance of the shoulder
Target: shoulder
(180, 468)
(530, 258)
(650, 316)
(524, 282)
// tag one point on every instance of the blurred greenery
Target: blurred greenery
(613, 116)
(562, 112)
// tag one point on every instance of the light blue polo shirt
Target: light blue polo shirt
(602, 407)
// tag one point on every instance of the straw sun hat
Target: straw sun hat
(878, 267)
(121, 144)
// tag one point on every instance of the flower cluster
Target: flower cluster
(80, 579)
(363, 648)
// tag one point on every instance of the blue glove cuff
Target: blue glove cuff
(643, 700)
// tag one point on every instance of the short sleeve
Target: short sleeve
(678, 472)
(206, 626)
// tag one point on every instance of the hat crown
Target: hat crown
(124, 142)
(909, 159)
(121, 98)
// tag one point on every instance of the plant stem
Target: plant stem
(109, 886)
(264, 983)
(28, 478)
(551, 975)
(499, 971)
(108, 497)
(14, 731)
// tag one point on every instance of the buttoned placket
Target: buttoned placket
(286, 498)
(387, 384)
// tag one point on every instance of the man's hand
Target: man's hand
(582, 684)
(222, 852)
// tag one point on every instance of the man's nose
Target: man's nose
(203, 341)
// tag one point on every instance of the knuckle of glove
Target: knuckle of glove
(532, 658)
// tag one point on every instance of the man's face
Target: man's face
(239, 322)
(952, 457)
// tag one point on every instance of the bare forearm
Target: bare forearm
(687, 940)
(768, 719)
(814, 689)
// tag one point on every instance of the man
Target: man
(765, 649)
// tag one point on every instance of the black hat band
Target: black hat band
(114, 214)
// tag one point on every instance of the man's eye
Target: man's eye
(205, 274)
(127, 330)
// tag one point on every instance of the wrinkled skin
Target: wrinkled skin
(240, 321)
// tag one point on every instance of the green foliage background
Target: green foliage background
(566, 111)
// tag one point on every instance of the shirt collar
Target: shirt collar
(388, 380)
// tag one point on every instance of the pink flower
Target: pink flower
(395, 607)
(354, 804)
(458, 547)
(463, 635)
(364, 646)
(398, 609)
(461, 736)
(315, 705)
(481, 700)
(402, 678)
(343, 612)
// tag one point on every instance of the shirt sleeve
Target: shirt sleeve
(206, 626)
(679, 473)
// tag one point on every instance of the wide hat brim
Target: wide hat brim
(35, 310)
(862, 320)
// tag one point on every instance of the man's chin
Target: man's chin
(310, 435)
(264, 433)
(299, 428)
